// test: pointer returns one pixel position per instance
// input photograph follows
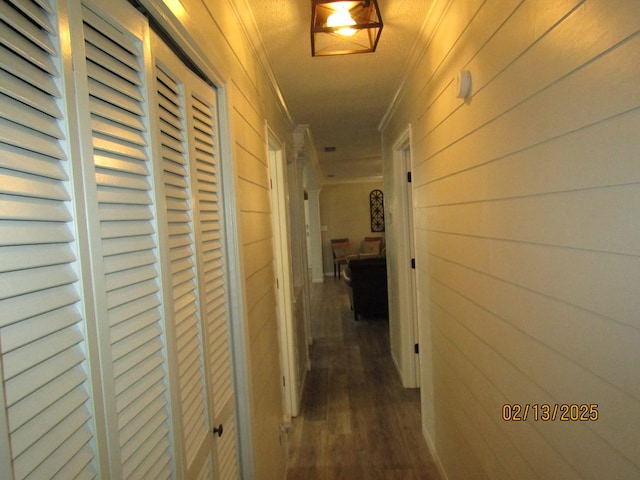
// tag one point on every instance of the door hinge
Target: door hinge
(416, 348)
(408, 177)
(413, 263)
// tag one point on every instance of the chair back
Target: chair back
(340, 247)
(372, 245)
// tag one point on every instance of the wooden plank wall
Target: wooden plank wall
(528, 234)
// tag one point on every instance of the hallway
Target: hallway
(357, 422)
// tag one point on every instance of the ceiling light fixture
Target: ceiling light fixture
(341, 27)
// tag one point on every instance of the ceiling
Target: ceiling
(342, 98)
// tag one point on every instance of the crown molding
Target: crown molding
(429, 27)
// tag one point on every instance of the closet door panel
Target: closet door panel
(188, 133)
(124, 240)
(205, 163)
(185, 320)
(47, 404)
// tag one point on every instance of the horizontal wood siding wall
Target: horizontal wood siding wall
(528, 235)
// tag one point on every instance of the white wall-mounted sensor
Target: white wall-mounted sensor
(463, 84)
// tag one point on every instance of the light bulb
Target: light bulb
(341, 21)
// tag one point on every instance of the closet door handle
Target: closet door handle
(218, 430)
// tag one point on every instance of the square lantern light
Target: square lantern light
(341, 28)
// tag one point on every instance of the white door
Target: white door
(110, 46)
(187, 123)
(412, 324)
(184, 325)
(287, 337)
(46, 421)
(205, 170)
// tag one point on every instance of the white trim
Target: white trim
(407, 304)
(247, 21)
(183, 39)
(80, 225)
(6, 462)
(284, 272)
(164, 266)
(102, 368)
(434, 453)
(352, 180)
(239, 340)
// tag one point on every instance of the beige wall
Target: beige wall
(527, 234)
(251, 102)
(344, 211)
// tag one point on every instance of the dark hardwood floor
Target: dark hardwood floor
(357, 421)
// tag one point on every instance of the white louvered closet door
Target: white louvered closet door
(204, 151)
(188, 124)
(46, 427)
(111, 77)
(184, 316)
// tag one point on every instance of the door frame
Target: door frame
(284, 273)
(406, 251)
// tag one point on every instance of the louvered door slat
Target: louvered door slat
(110, 94)
(18, 183)
(121, 164)
(127, 231)
(170, 115)
(27, 50)
(34, 279)
(150, 461)
(43, 347)
(23, 161)
(16, 66)
(147, 419)
(27, 357)
(118, 263)
(30, 118)
(113, 145)
(47, 459)
(16, 309)
(117, 130)
(130, 378)
(34, 33)
(99, 74)
(15, 134)
(15, 257)
(62, 408)
(109, 111)
(124, 49)
(28, 408)
(23, 333)
(38, 12)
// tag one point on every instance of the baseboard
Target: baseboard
(434, 454)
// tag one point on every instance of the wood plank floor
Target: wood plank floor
(357, 422)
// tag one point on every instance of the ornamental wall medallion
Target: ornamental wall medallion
(376, 205)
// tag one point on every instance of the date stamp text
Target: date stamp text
(544, 412)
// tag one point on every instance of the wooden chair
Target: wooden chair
(341, 249)
(371, 247)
